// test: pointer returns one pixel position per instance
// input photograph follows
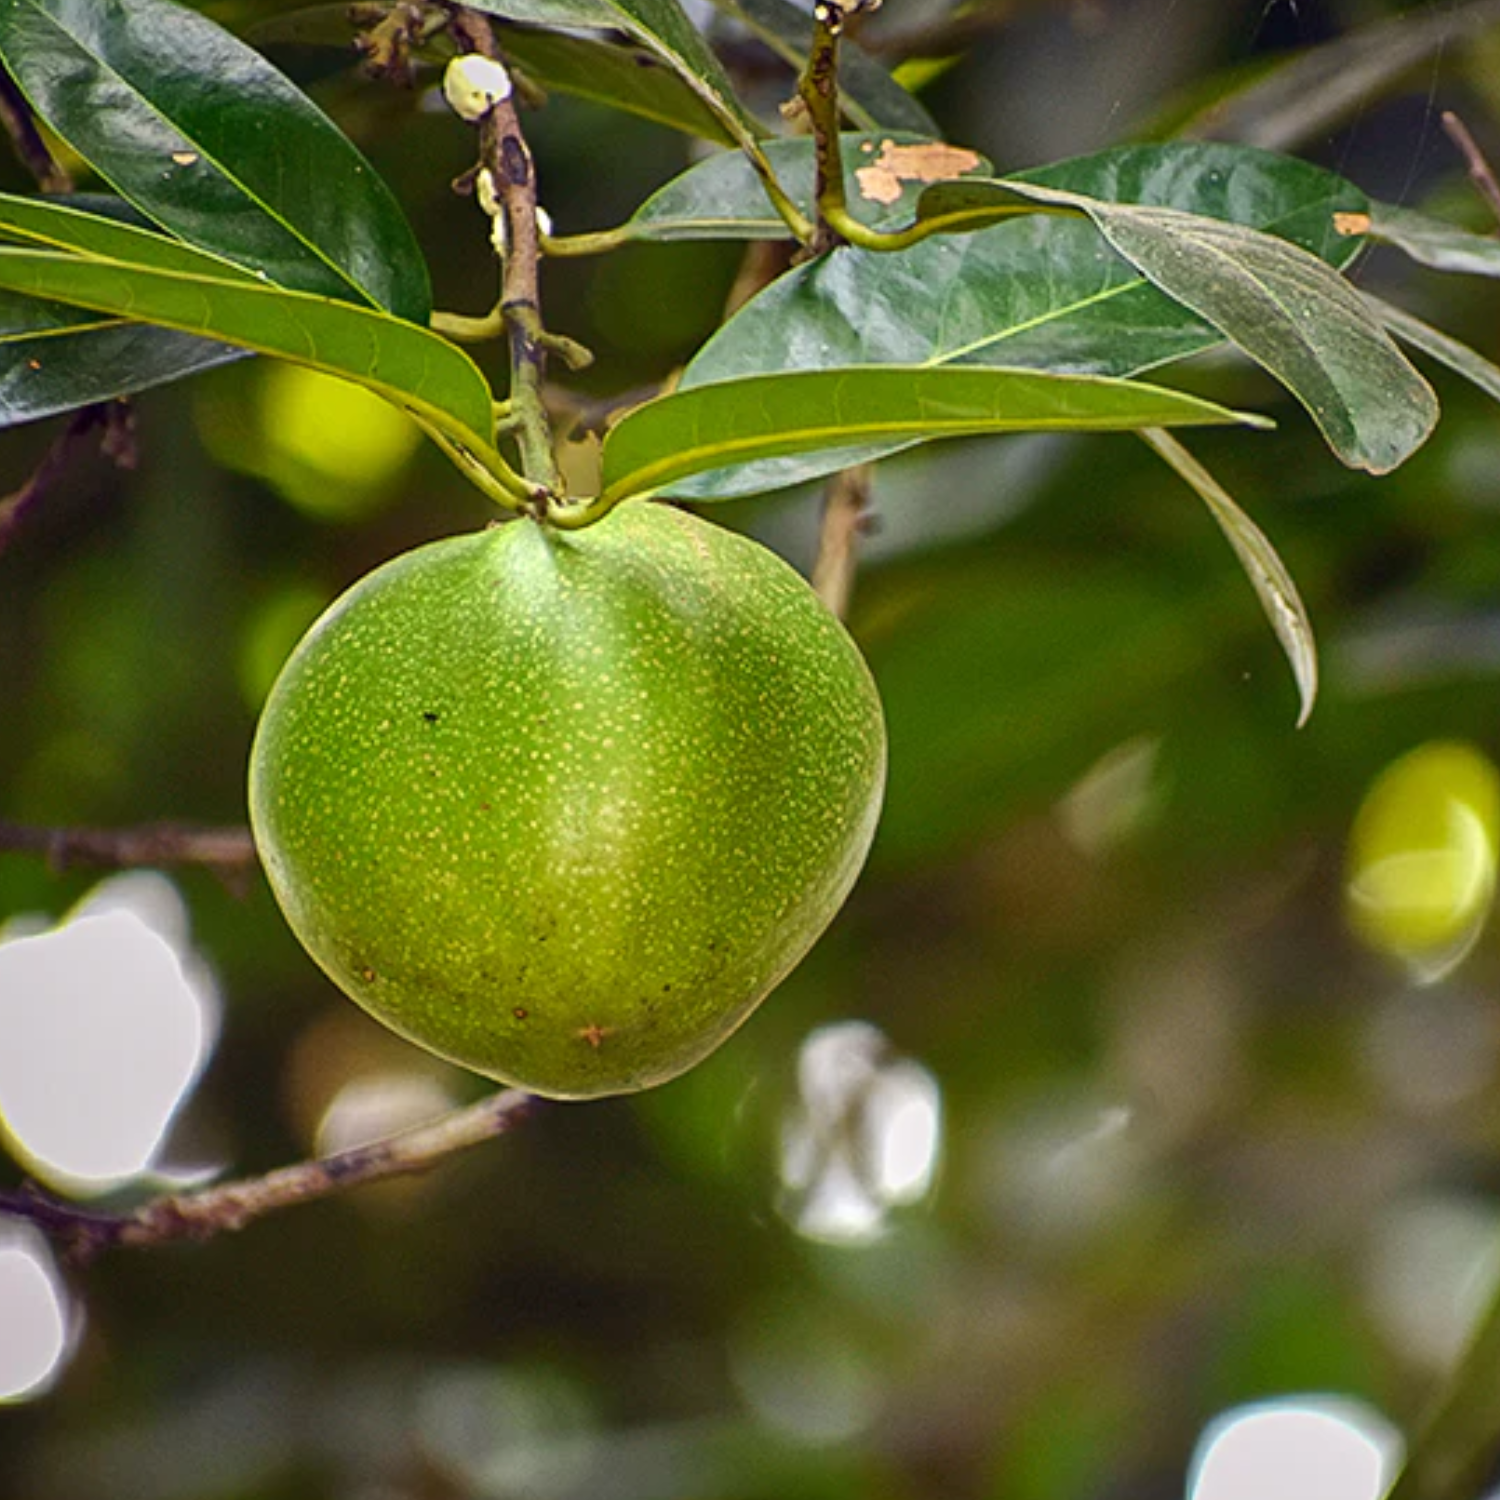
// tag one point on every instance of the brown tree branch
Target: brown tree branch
(20, 125)
(84, 1234)
(1481, 174)
(505, 156)
(117, 442)
(228, 851)
(846, 517)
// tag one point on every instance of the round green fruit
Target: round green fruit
(564, 806)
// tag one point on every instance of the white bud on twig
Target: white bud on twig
(474, 84)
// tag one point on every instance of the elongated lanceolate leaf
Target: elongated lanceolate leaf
(1444, 247)
(628, 78)
(418, 371)
(1289, 312)
(721, 196)
(1443, 347)
(60, 225)
(214, 145)
(76, 365)
(714, 426)
(1267, 573)
(662, 27)
(1040, 291)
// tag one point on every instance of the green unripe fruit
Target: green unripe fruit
(564, 806)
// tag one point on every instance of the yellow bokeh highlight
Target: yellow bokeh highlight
(1422, 857)
(331, 448)
(272, 629)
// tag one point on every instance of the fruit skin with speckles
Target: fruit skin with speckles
(564, 806)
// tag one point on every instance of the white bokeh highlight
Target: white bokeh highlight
(1300, 1448)
(105, 1022)
(863, 1136)
(35, 1315)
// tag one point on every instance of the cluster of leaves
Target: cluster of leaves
(242, 219)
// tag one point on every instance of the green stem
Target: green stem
(599, 242)
(818, 89)
(465, 330)
(488, 471)
(802, 228)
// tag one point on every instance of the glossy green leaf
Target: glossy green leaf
(415, 369)
(1040, 291)
(214, 145)
(64, 225)
(1289, 311)
(1443, 347)
(317, 41)
(79, 361)
(715, 426)
(1444, 247)
(1291, 199)
(1268, 575)
(871, 98)
(663, 29)
(628, 78)
(721, 196)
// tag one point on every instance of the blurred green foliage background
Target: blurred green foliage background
(1197, 1144)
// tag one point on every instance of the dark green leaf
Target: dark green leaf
(628, 78)
(871, 98)
(664, 30)
(1268, 575)
(408, 365)
(80, 362)
(1444, 247)
(317, 41)
(1039, 291)
(214, 145)
(1290, 312)
(721, 197)
(1444, 348)
(716, 426)
(63, 225)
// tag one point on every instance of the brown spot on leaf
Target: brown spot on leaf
(926, 161)
(594, 1035)
(1352, 223)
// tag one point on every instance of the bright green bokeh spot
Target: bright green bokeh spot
(328, 447)
(275, 626)
(333, 448)
(1422, 856)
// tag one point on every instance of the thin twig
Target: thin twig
(1481, 174)
(228, 851)
(505, 155)
(84, 1234)
(20, 125)
(117, 443)
(846, 515)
